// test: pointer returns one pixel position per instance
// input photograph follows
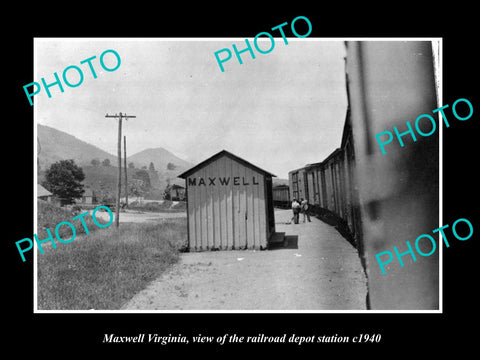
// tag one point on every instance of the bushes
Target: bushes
(49, 216)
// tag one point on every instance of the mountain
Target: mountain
(55, 145)
(277, 181)
(161, 159)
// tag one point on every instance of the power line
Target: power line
(125, 166)
(119, 152)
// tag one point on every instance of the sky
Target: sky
(279, 111)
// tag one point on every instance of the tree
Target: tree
(171, 166)
(106, 162)
(151, 167)
(95, 162)
(131, 165)
(64, 179)
(143, 175)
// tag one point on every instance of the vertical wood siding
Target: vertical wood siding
(227, 216)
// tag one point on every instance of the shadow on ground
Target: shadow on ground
(289, 242)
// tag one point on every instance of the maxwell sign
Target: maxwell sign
(237, 180)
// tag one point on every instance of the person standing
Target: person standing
(296, 210)
(304, 207)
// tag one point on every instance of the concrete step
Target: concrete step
(277, 240)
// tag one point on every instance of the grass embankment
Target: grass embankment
(106, 268)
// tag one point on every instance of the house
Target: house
(88, 197)
(229, 204)
(43, 194)
(175, 192)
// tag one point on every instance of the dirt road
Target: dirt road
(133, 216)
(323, 273)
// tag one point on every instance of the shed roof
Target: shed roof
(41, 191)
(218, 155)
(175, 186)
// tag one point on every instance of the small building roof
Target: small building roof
(218, 155)
(175, 186)
(41, 191)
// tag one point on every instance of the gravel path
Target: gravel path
(323, 273)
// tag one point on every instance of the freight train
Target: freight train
(281, 196)
(329, 187)
(378, 201)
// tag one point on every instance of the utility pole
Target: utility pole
(119, 183)
(125, 167)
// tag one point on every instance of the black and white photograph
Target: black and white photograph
(276, 182)
(256, 188)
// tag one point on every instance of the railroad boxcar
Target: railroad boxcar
(281, 196)
(330, 187)
(388, 84)
(297, 182)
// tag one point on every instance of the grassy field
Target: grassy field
(106, 268)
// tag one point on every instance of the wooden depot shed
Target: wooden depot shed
(229, 204)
